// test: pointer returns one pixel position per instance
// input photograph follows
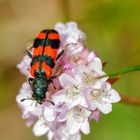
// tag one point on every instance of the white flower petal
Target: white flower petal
(40, 128)
(104, 107)
(75, 137)
(86, 112)
(95, 65)
(74, 49)
(73, 126)
(113, 96)
(97, 85)
(49, 113)
(107, 86)
(66, 80)
(85, 127)
(83, 102)
(60, 27)
(36, 111)
(80, 69)
(91, 56)
(78, 78)
(75, 102)
(50, 135)
(71, 25)
(59, 97)
(72, 38)
(24, 103)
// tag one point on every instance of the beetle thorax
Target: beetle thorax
(40, 86)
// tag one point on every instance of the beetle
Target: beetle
(44, 57)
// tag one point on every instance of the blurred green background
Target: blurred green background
(113, 31)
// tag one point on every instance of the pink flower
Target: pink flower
(69, 33)
(101, 98)
(77, 120)
(71, 93)
(76, 95)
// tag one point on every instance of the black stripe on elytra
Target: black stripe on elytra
(54, 43)
(49, 31)
(43, 58)
(38, 42)
(49, 61)
(35, 59)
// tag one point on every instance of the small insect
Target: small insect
(44, 57)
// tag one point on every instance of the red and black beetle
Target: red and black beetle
(44, 57)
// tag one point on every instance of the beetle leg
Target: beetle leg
(31, 80)
(28, 53)
(53, 77)
(50, 80)
(53, 84)
(61, 53)
(30, 46)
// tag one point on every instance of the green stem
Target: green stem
(122, 71)
(124, 98)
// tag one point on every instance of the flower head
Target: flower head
(74, 97)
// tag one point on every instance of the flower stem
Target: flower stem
(124, 98)
(122, 71)
(130, 100)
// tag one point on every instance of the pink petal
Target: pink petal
(95, 115)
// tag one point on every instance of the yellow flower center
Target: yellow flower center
(89, 79)
(73, 92)
(95, 93)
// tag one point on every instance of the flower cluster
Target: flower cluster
(78, 94)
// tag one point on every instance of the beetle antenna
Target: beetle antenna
(26, 99)
(50, 102)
